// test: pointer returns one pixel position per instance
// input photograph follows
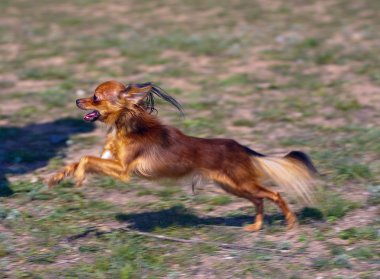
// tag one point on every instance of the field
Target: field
(274, 75)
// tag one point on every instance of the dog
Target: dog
(138, 143)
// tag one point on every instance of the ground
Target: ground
(274, 75)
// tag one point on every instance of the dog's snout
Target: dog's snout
(79, 103)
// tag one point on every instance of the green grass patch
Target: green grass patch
(348, 105)
(201, 105)
(89, 248)
(346, 171)
(42, 258)
(3, 250)
(220, 200)
(321, 263)
(168, 192)
(274, 115)
(238, 79)
(27, 112)
(109, 182)
(360, 233)
(243, 123)
(201, 126)
(55, 98)
(365, 253)
(334, 206)
(50, 73)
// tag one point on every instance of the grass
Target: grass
(353, 171)
(220, 200)
(364, 253)
(334, 207)
(55, 97)
(237, 79)
(45, 74)
(362, 233)
(275, 77)
(243, 123)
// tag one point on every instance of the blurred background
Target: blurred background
(274, 75)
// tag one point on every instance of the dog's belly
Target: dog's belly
(152, 169)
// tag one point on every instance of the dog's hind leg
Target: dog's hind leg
(290, 217)
(245, 192)
(259, 219)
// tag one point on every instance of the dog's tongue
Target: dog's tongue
(92, 116)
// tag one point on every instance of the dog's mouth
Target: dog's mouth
(92, 116)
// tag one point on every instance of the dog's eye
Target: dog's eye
(95, 98)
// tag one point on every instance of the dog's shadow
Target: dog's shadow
(25, 149)
(182, 217)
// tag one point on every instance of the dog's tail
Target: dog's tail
(294, 173)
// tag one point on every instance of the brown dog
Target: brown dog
(139, 143)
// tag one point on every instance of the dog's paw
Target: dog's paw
(79, 183)
(253, 227)
(79, 180)
(55, 179)
(292, 225)
(291, 221)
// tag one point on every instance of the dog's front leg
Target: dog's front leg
(91, 164)
(59, 176)
(108, 147)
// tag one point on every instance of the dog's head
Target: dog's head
(113, 98)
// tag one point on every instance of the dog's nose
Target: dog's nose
(77, 102)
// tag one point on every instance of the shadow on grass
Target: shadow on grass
(24, 149)
(183, 217)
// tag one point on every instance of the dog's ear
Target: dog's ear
(137, 92)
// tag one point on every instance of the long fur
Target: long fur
(140, 144)
(293, 172)
(159, 92)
